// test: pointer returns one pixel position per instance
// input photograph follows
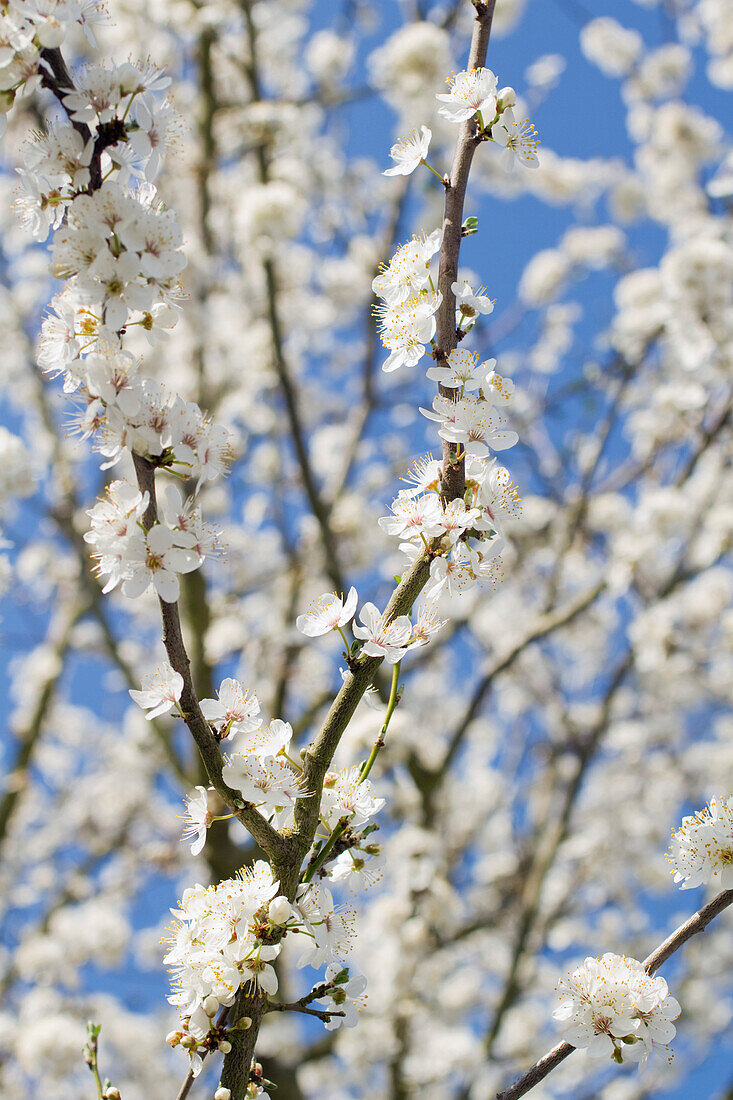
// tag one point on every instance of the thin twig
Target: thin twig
(296, 1006)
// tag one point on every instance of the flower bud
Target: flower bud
(507, 97)
(222, 1094)
(51, 33)
(279, 910)
(244, 1023)
(225, 1046)
(211, 1005)
(112, 1094)
(173, 1038)
(188, 1042)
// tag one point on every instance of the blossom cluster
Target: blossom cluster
(90, 179)
(228, 935)
(29, 26)
(377, 635)
(701, 851)
(137, 558)
(469, 529)
(260, 765)
(406, 288)
(473, 95)
(409, 301)
(217, 944)
(612, 1007)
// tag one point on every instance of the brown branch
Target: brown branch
(56, 77)
(266, 836)
(552, 835)
(63, 516)
(697, 923)
(296, 1006)
(319, 753)
(453, 479)
(537, 1072)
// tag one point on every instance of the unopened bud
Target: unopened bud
(211, 1005)
(173, 1038)
(225, 1046)
(279, 910)
(507, 97)
(112, 1094)
(222, 1093)
(188, 1042)
(51, 33)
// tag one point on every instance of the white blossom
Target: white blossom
(470, 304)
(518, 140)
(160, 692)
(470, 91)
(345, 996)
(347, 795)
(701, 851)
(409, 152)
(611, 1007)
(327, 613)
(198, 819)
(382, 639)
(235, 711)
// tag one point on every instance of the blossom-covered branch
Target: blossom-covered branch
(698, 922)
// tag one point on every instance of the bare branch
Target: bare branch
(296, 1006)
(696, 923)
